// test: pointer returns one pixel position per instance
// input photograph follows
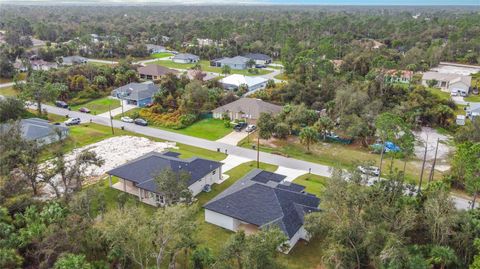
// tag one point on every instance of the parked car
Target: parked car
(61, 104)
(126, 119)
(72, 121)
(142, 122)
(369, 170)
(251, 128)
(84, 110)
(239, 126)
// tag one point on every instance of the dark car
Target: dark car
(239, 126)
(141, 122)
(61, 104)
(84, 110)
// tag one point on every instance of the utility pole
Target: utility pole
(121, 102)
(423, 166)
(432, 171)
(258, 150)
(111, 119)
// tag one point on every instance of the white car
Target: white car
(72, 121)
(251, 128)
(369, 170)
(126, 119)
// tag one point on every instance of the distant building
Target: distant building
(237, 62)
(234, 82)
(155, 48)
(154, 71)
(40, 131)
(139, 94)
(73, 60)
(261, 60)
(453, 83)
(36, 65)
(398, 76)
(185, 58)
(473, 110)
(261, 200)
(246, 108)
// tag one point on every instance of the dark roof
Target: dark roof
(155, 70)
(257, 56)
(186, 56)
(265, 176)
(291, 187)
(37, 129)
(171, 154)
(137, 91)
(142, 171)
(266, 204)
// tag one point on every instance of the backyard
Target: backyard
(206, 67)
(99, 106)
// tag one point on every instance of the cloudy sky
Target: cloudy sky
(283, 2)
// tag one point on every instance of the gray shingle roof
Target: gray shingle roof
(142, 171)
(234, 60)
(74, 59)
(136, 91)
(186, 56)
(37, 129)
(155, 70)
(264, 204)
(258, 56)
(250, 106)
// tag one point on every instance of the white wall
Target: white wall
(221, 220)
(211, 178)
(459, 86)
(300, 234)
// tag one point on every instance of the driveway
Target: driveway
(290, 173)
(118, 110)
(233, 161)
(233, 138)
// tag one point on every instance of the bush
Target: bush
(187, 120)
(281, 130)
(173, 120)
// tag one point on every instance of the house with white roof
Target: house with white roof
(454, 83)
(233, 82)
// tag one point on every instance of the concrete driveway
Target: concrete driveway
(290, 173)
(233, 138)
(233, 161)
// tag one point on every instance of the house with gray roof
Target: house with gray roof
(246, 108)
(260, 200)
(73, 60)
(155, 48)
(137, 177)
(139, 94)
(473, 110)
(185, 58)
(454, 83)
(237, 62)
(261, 60)
(39, 130)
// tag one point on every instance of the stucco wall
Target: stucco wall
(221, 220)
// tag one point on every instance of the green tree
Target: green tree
(37, 90)
(308, 136)
(226, 69)
(69, 261)
(442, 256)
(173, 186)
(266, 127)
(432, 83)
(323, 125)
(11, 109)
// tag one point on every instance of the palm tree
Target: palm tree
(226, 69)
(308, 136)
(442, 256)
(323, 125)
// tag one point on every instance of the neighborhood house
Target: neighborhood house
(454, 83)
(185, 58)
(237, 62)
(72, 60)
(137, 177)
(261, 60)
(154, 71)
(139, 94)
(246, 108)
(262, 199)
(40, 131)
(473, 110)
(398, 76)
(155, 48)
(233, 82)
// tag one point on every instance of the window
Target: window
(214, 172)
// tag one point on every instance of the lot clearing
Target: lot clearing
(430, 136)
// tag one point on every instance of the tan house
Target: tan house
(246, 108)
(154, 71)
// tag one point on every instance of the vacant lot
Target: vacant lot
(99, 106)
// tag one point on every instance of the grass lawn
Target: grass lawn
(440, 93)
(337, 155)
(472, 98)
(99, 106)
(314, 184)
(206, 67)
(211, 129)
(275, 67)
(282, 76)
(161, 55)
(8, 91)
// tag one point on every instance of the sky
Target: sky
(267, 2)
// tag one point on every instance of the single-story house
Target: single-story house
(233, 82)
(237, 62)
(40, 130)
(137, 177)
(262, 199)
(154, 71)
(139, 94)
(454, 83)
(246, 108)
(155, 48)
(473, 110)
(72, 60)
(197, 74)
(398, 76)
(185, 58)
(261, 60)
(36, 65)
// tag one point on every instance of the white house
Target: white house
(261, 60)
(454, 83)
(473, 110)
(262, 199)
(185, 58)
(233, 82)
(137, 177)
(460, 86)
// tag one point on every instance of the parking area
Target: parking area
(290, 173)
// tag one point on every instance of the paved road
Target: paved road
(318, 169)
(101, 61)
(10, 84)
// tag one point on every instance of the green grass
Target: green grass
(161, 55)
(8, 91)
(314, 184)
(281, 76)
(472, 98)
(206, 67)
(275, 67)
(211, 129)
(99, 106)
(440, 93)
